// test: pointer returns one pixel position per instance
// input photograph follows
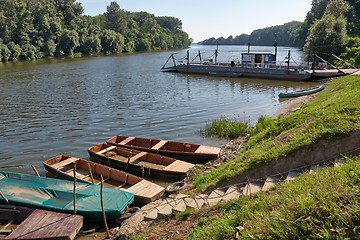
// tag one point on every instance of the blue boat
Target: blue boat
(57, 195)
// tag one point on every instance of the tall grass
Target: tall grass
(227, 128)
(233, 128)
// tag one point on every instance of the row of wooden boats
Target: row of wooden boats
(117, 170)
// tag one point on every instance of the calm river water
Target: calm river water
(64, 106)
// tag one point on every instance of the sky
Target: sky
(203, 19)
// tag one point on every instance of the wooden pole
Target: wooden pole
(36, 172)
(91, 175)
(74, 189)
(102, 206)
(5, 199)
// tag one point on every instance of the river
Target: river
(64, 106)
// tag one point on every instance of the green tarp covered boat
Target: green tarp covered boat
(57, 195)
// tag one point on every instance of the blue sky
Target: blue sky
(203, 19)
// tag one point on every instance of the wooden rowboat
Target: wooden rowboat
(62, 166)
(190, 152)
(58, 195)
(302, 92)
(140, 163)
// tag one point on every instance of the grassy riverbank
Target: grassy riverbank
(325, 205)
(334, 112)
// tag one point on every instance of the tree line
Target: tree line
(330, 27)
(35, 29)
(284, 35)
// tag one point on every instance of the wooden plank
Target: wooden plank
(146, 189)
(159, 145)
(126, 140)
(137, 156)
(43, 224)
(106, 149)
(208, 150)
(65, 162)
(179, 166)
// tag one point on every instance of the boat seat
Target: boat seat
(106, 149)
(159, 145)
(137, 156)
(208, 150)
(179, 166)
(64, 162)
(126, 140)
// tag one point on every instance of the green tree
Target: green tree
(32, 29)
(353, 17)
(5, 52)
(49, 48)
(318, 8)
(111, 41)
(352, 53)
(328, 34)
(15, 50)
(116, 18)
(69, 40)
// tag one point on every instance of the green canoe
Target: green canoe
(302, 92)
(57, 195)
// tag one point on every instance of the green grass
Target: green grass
(325, 205)
(233, 128)
(334, 112)
(226, 128)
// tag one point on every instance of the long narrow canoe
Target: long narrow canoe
(140, 163)
(302, 92)
(58, 195)
(63, 166)
(190, 152)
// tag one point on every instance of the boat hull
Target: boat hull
(276, 73)
(189, 152)
(143, 164)
(302, 92)
(247, 72)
